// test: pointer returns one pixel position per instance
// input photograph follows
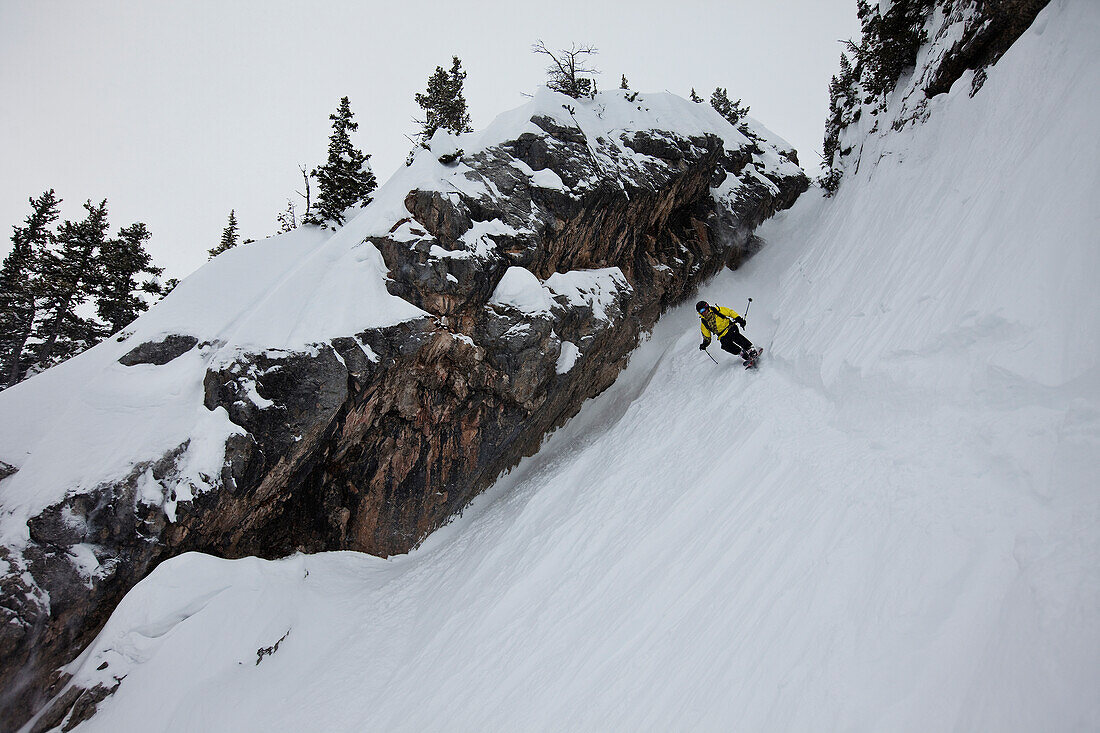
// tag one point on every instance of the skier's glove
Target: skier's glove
(703, 346)
(739, 321)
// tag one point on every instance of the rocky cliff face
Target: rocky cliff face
(537, 267)
(961, 37)
(973, 34)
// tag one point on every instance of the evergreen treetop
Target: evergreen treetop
(444, 103)
(19, 283)
(230, 236)
(52, 276)
(123, 259)
(69, 276)
(732, 111)
(345, 180)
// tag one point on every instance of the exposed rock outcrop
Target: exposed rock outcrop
(963, 35)
(158, 352)
(538, 279)
(991, 27)
(959, 36)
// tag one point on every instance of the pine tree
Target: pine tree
(19, 284)
(444, 103)
(888, 45)
(838, 103)
(624, 86)
(844, 108)
(847, 80)
(345, 180)
(695, 97)
(230, 236)
(732, 111)
(123, 260)
(832, 137)
(68, 277)
(890, 42)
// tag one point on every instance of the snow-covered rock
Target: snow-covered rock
(520, 289)
(354, 390)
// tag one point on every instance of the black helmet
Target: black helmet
(701, 306)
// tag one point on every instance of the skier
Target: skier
(716, 319)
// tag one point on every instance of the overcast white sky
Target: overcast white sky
(177, 112)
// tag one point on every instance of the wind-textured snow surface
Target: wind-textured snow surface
(891, 525)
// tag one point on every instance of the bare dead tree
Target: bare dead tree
(305, 178)
(565, 69)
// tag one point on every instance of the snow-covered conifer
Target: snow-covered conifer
(287, 219)
(890, 41)
(345, 180)
(888, 45)
(444, 103)
(843, 109)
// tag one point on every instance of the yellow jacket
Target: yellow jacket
(717, 321)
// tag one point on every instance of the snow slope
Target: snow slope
(892, 525)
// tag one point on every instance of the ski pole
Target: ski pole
(747, 307)
(711, 357)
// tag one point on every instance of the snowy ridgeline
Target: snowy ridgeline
(92, 419)
(893, 525)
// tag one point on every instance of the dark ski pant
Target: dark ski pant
(734, 341)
